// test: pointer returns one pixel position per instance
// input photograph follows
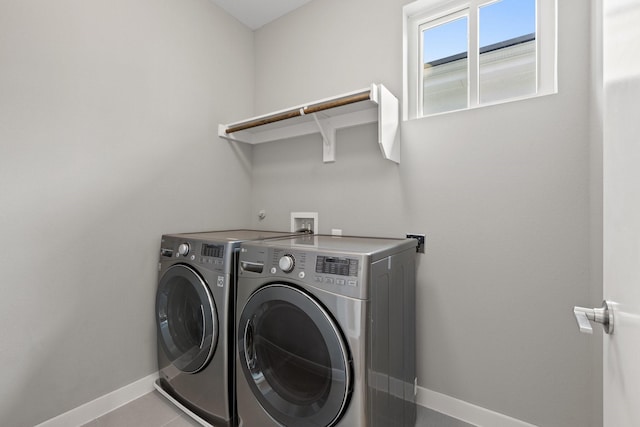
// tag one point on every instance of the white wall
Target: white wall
(108, 138)
(504, 194)
(596, 196)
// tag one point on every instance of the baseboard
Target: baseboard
(442, 403)
(104, 404)
(465, 411)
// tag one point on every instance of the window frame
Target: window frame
(430, 13)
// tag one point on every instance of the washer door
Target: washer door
(294, 357)
(186, 318)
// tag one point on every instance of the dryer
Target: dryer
(326, 332)
(195, 315)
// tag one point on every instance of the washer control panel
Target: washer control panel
(287, 263)
(183, 249)
(193, 251)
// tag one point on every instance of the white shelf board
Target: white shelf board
(381, 107)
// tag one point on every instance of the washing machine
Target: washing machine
(325, 332)
(195, 315)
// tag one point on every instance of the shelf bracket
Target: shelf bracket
(328, 133)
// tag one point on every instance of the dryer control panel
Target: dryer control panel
(340, 274)
(287, 261)
(337, 265)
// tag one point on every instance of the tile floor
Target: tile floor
(153, 410)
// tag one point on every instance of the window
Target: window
(468, 53)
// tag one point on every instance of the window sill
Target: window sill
(477, 107)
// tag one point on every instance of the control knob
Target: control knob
(287, 263)
(183, 249)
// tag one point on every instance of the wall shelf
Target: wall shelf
(373, 104)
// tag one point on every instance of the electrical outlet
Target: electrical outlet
(421, 239)
(304, 221)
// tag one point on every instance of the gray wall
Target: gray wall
(108, 115)
(108, 138)
(505, 195)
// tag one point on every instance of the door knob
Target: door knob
(602, 315)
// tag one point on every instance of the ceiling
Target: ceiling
(256, 13)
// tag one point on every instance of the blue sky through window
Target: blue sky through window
(445, 40)
(506, 19)
(499, 21)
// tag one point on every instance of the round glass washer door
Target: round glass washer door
(294, 357)
(186, 318)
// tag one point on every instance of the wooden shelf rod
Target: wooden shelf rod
(315, 108)
(346, 100)
(264, 121)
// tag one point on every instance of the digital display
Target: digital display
(215, 251)
(338, 266)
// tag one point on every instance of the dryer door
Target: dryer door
(186, 318)
(294, 357)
